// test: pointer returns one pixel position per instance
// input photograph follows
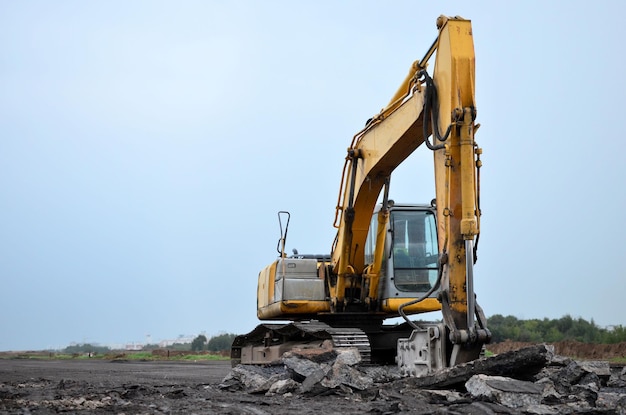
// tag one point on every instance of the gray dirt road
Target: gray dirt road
(125, 387)
(112, 373)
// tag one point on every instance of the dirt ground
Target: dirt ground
(114, 387)
(124, 387)
(100, 386)
(571, 349)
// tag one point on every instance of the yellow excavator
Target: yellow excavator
(389, 259)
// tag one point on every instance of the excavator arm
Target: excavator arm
(388, 140)
(443, 105)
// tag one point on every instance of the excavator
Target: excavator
(391, 260)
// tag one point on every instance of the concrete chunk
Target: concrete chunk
(509, 392)
(300, 367)
(343, 374)
(348, 356)
(252, 379)
(601, 368)
(282, 386)
(311, 385)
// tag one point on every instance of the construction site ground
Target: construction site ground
(119, 386)
(153, 387)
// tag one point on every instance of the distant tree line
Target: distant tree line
(549, 331)
(216, 344)
(86, 348)
(220, 343)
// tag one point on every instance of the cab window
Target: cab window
(414, 250)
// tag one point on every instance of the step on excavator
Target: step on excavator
(388, 259)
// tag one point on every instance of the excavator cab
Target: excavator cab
(410, 263)
(414, 250)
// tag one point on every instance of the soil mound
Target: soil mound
(569, 348)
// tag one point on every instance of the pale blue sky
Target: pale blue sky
(146, 146)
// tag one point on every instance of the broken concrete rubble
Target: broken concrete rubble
(530, 380)
(344, 374)
(521, 364)
(282, 387)
(509, 392)
(253, 379)
(617, 379)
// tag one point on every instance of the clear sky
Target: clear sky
(146, 146)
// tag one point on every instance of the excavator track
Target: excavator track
(343, 337)
(267, 342)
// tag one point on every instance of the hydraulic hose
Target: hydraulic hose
(422, 298)
(431, 114)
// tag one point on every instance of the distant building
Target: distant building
(180, 340)
(133, 346)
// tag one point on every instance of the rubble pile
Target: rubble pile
(531, 380)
